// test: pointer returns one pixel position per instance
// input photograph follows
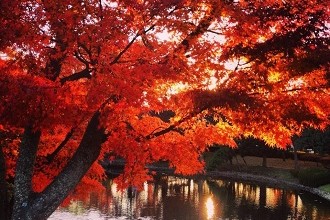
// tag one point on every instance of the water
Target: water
(182, 198)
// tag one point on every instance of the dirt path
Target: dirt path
(274, 162)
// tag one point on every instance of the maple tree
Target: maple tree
(82, 78)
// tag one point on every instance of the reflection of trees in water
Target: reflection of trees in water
(93, 200)
(245, 201)
(181, 198)
(77, 208)
(313, 211)
(224, 192)
(179, 201)
(151, 204)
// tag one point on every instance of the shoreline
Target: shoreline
(256, 179)
(262, 177)
(269, 181)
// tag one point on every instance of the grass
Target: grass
(313, 177)
(325, 188)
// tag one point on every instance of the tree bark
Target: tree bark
(295, 156)
(45, 203)
(244, 160)
(24, 171)
(4, 200)
(264, 160)
(283, 156)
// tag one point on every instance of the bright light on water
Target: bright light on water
(209, 208)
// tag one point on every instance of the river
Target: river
(170, 198)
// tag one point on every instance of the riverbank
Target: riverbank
(266, 180)
(278, 173)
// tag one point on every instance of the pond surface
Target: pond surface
(181, 198)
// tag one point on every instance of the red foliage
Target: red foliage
(62, 61)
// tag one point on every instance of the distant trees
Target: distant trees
(248, 146)
(255, 147)
(314, 139)
(310, 138)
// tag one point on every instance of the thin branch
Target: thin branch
(201, 28)
(86, 73)
(101, 9)
(113, 98)
(173, 127)
(139, 33)
(50, 157)
(214, 32)
(156, 130)
(87, 50)
(125, 49)
(311, 88)
(78, 55)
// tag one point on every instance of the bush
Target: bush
(325, 162)
(309, 157)
(294, 173)
(221, 156)
(314, 177)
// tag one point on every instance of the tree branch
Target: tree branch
(87, 153)
(311, 88)
(278, 43)
(101, 9)
(173, 127)
(50, 157)
(201, 28)
(85, 73)
(81, 58)
(139, 33)
(214, 32)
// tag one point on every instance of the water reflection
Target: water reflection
(182, 198)
(209, 208)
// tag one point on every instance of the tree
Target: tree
(314, 139)
(79, 79)
(255, 147)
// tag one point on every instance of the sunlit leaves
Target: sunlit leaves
(225, 69)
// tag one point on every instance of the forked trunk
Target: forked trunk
(42, 205)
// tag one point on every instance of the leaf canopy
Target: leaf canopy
(257, 68)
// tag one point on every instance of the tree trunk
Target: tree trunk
(4, 201)
(295, 156)
(264, 160)
(283, 156)
(46, 202)
(24, 171)
(244, 160)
